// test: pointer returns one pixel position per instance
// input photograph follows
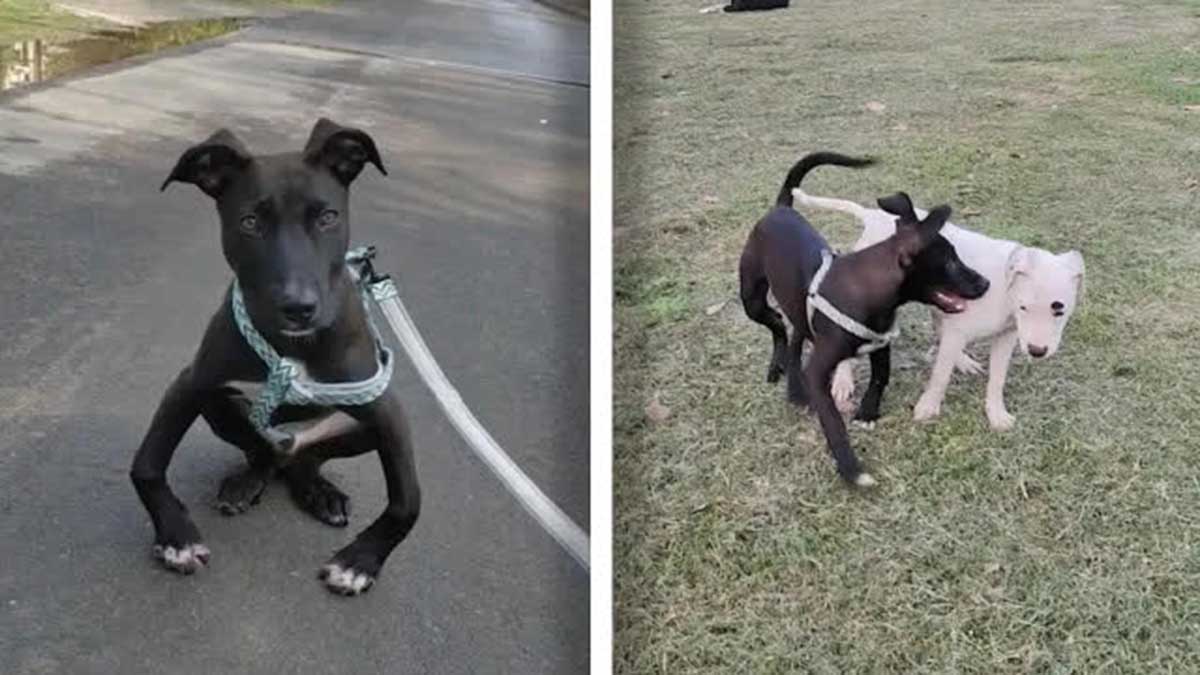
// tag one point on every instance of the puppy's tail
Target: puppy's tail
(810, 162)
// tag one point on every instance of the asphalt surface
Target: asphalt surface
(108, 283)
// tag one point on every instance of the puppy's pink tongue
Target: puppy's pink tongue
(949, 302)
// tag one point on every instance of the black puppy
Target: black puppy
(784, 253)
(285, 229)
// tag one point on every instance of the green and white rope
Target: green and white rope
(288, 381)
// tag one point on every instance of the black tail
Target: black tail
(810, 162)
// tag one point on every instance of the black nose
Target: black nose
(976, 286)
(299, 311)
(1037, 352)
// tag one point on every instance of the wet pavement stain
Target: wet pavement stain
(36, 60)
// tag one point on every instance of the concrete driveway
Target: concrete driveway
(480, 110)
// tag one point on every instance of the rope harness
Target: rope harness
(873, 340)
(288, 381)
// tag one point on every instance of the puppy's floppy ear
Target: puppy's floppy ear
(900, 205)
(209, 164)
(342, 150)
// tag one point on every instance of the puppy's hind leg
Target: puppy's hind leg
(314, 493)
(964, 363)
(244, 487)
(967, 365)
(797, 389)
(754, 289)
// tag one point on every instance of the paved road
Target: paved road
(108, 283)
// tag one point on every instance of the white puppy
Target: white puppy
(1032, 295)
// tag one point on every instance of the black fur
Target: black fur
(783, 253)
(285, 230)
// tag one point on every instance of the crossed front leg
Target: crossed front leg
(843, 385)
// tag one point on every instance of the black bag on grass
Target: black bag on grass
(752, 5)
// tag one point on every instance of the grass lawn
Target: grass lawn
(1066, 545)
(29, 19)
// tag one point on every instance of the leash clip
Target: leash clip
(364, 259)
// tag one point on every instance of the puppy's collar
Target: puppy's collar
(873, 340)
(288, 381)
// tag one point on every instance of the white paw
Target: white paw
(1000, 420)
(865, 480)
(842, 387)
(861, 424)
(185, 560)
(968, 365)
(926, 409)
(345, 581)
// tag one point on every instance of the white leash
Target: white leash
(816, 302)
(558, 524)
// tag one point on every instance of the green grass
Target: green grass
(39, 19)
(30, 19)
(1066, 545)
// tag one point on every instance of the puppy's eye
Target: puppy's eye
(327, 219)
(1024, 308)
(249, 224)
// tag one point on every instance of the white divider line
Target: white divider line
(546, 512)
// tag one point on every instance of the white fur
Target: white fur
(1015, 311)
(187, 559)
(865, 480)
(346, 581)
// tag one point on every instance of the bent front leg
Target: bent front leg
(843, 385)
(881, 373)
(353, 569)
(176, 539)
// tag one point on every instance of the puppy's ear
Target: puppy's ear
(209, 165)
(342, 150)
(1074, 262)
(933, 223)
(900, 205)
(1018, 263)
